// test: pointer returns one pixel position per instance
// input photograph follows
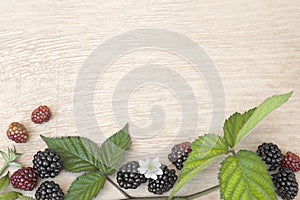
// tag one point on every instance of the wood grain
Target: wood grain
(255, 46)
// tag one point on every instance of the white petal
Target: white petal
(142, 170)
(156, 163)
(147, 160)
(159, 171)
(151, 175)
(142, 164)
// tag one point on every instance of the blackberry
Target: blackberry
(128, 176)
(291, 161)
(24, 179)
(17, 132)
(270, 154)
(179, 154)
(47, 163)
(285, 183)
(164, 182)
(41, 114)
(49, 190)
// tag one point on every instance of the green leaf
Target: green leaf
(86, 187)
(4, 156)
(22, 197)
(245, 177)
(113, 149)
(204, 150)
(4, 182)
(9, 196)
(234, 124)
(238, 126)
(78, 154)
(15, 164)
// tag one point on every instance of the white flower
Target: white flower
(151, 168)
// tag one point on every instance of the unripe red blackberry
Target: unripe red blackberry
(270, 154)
(17, 132)
(24, 179)
(291, 161)
(179, 154)
(41, 114)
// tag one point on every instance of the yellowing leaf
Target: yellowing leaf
(245, 177)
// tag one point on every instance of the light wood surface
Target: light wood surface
(255, 46)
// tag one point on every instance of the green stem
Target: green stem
(202, 193)
(118, 188)
(233, 152)
(187, 197)
(3, 168)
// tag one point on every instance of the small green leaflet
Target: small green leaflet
(234, 124)
(86, 187)
(78, 154)
(238, 126)
(22, 197)
(113, 149)
(4, 182)
(204, 150)
(9, 196)
(245, 177)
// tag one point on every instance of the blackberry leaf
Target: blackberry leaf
(78, 154)
(9, 195)
(4, 182)
(113, 149)
(237, 127)
(244, 176)
(204, 150)
(234, 124)
(86, 187)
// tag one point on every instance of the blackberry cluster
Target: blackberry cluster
(24, 179)
(179, 154)
(285, 183)
(49, 190)
(164, 182)
(41, 114)
(17, 132)
(270, 154)
(47, 163)
(291, 161)
(128, 177)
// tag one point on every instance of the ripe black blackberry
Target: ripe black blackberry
(49, 190)
(164, 182)
(47, 163)
(270, 154)
(128, 177)
(179, 154)
(24, 179)
(285, 183)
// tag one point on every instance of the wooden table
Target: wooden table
(254, 47)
